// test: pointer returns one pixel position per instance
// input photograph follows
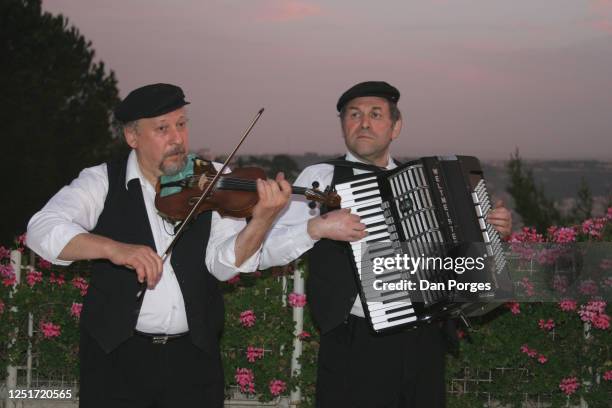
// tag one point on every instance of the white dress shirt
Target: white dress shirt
(75, 210)
(289, 238)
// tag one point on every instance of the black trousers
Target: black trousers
(142, 374)
(360, 369)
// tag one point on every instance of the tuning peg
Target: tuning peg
(312, 205)
(315, 184)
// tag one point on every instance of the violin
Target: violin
(234, 194)
(200, 187)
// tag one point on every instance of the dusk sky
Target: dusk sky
(477, 77)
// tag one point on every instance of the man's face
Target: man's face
(368, 129)
(161, 142)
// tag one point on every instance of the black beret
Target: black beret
(370, 88)
(150, 101)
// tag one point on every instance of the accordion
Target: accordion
(434, 208)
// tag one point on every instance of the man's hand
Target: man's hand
(339, 225)
(147, 264)
(273, 197)
(142, 259)
(501, 219)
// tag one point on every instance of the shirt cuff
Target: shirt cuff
(225, 262)
(301, 239)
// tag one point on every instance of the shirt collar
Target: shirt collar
(351, 157)
(133, 171)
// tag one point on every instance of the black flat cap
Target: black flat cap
(150, 101)
(370, 88)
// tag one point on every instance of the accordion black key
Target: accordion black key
(431, 209)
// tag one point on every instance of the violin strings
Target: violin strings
(237, 183)
(229, 182)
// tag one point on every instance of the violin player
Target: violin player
(356, 367)
(160, 349)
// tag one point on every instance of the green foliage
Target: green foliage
(496, 342)
(55, 108)
(49, 300)
(584, 204)
(272, 331)
(530, 200)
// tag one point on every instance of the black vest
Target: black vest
(110, 308)
(331, 284)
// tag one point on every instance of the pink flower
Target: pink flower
(9, 281)
(75, 309)
(257, 274)
(593, 227)
(20, 240)
(59, 280)
(609, 214)
(81, 284)
(297, 299)
(33, 277)
(254, 353)
(560, 284)
(594, 312)
(6, 271)
(542, 359)
(605, 263)
(569, 385)
(44, 264)
(247, 318)
(608, 374)
(304, 335)
(588, 287)
(529, 235)
(49, 329)
(245, 379)
(514, 307)
(563, 235)
(235, 280)
(592, 308)
(567, 305)
(460, 334)
(4, 253)
(8, 275)
(520, 242)
(530, 352)
(528, 286)
(601, 321)
(546, 324)
(277, 387)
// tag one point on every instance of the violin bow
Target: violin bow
(210, 186)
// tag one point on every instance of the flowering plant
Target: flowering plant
(558, 351)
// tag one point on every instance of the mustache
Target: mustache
(179, 149)
(365, 133)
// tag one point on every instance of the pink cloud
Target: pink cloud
(288, 10)
(600, 15)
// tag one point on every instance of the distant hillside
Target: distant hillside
(561, 178)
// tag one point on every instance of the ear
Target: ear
(131, 137)
(397, 128)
